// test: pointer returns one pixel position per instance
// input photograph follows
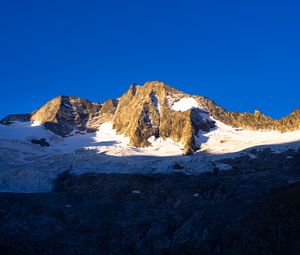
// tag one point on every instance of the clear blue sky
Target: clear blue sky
(243, 54)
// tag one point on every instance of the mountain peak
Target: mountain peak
(156, 84)
(149, 113)
(159, 87)
(154, 109)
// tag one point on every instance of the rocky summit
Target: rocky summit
(154, 109)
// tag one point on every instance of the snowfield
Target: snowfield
(27, 167)
(225, 140)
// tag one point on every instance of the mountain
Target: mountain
(64, 114)
(147, 130)
(104, 174)
(148, 110)
(152, 110)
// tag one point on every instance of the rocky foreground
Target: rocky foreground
(252, 209)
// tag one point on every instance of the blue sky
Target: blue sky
(245, 55)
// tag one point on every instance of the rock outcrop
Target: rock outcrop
(149, 110)
(255, 121)
(15, 117)
(145, 111)
(42, 142)
(63, 114)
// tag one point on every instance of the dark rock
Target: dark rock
(178, 166)
(42, 142)
(15, 117)
(253, 151)
(161, 244)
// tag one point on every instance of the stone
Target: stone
(42, 142)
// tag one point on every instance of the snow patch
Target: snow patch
(223, 166)
(163, 147)
(23, 131)
(185, 104)
(136, 192)
(252, 156)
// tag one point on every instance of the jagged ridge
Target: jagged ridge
(145, 111)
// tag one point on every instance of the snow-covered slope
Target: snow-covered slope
(226, 140)
(104, 140)
(27, 167)
(147, 130)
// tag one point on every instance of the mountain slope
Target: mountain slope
(146, 131)
(152, 110)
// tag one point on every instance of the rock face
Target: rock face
(145, 111)
(256, 121)
(63, 114)
(154, 109)
(15, 117)
(42, 142)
